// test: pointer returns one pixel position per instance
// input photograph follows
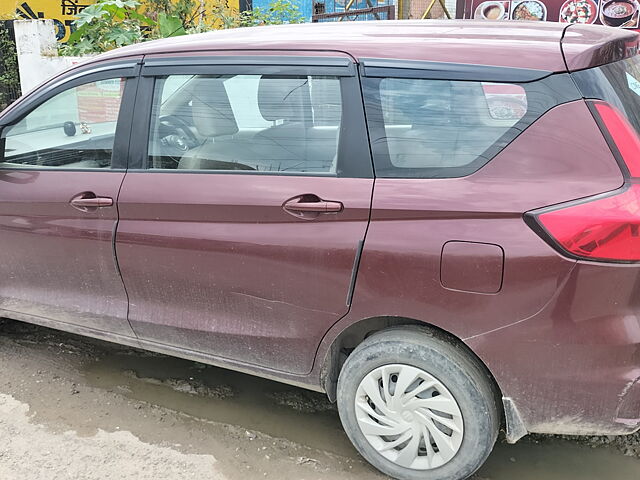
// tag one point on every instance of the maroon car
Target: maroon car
(438, 224)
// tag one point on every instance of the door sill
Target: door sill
(193, 355)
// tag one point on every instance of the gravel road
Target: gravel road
(73, 408)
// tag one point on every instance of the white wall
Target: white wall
(37, 50)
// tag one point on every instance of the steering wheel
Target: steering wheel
(174, 132)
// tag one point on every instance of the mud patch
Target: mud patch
(302, 401)
(552, 458)
(190, 386)
(27, 334)
(628, 445)
(212, 394)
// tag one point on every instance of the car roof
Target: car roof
(442, 41)
(533, 45)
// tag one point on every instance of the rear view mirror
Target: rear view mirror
(69, 129)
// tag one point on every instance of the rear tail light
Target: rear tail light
(622, 136)
(604, 227)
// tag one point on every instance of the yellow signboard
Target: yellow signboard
(62, 12)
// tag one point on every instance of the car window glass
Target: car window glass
(74, 129)
(435, 123)
(243, 94)
(426, 128)
(266, 123)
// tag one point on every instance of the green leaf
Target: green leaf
(120, 9)
(91, 13)
(170, 25)
(121, 3)
(77, 35)
(82, 47)
(115, 12)
(121, 36)
(142, 18)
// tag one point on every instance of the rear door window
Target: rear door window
(423, 128)
(263, 123)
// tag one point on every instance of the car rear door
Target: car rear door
(63, 156)
(242, 222)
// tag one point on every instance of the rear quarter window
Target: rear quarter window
(616, 83)
(424, 128)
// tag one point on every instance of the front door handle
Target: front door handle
(89, 201)
(311, 204)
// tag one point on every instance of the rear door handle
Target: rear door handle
(311, 204)
(320, 207)
(89, 201)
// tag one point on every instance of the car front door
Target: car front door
(63, 157)
(240, 233)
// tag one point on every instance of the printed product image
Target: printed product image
(619, 13)
(492, 10)
(578, 11)
(529, 10)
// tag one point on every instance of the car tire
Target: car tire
(451, 401)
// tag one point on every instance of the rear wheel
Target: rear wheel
(417, 406)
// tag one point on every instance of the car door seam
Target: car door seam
(354, 271)
(114, 233)
(360, 248)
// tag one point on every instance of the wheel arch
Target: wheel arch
(351, 336)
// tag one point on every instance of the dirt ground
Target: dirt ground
(73, 408)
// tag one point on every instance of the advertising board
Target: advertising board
(613, 13)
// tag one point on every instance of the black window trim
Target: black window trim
(125, 70)
(73, 79)
(428, 70)
(354, 155)
(343, 65)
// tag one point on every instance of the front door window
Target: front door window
(72, 130)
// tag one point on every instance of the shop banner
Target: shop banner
(613, 13)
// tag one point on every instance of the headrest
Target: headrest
(283, 98)
(210, 107)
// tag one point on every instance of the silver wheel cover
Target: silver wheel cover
(409, 417)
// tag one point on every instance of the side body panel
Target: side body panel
(58, 262)
(214, 264)
(561, 339)
(574, 367)
(539, 168)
